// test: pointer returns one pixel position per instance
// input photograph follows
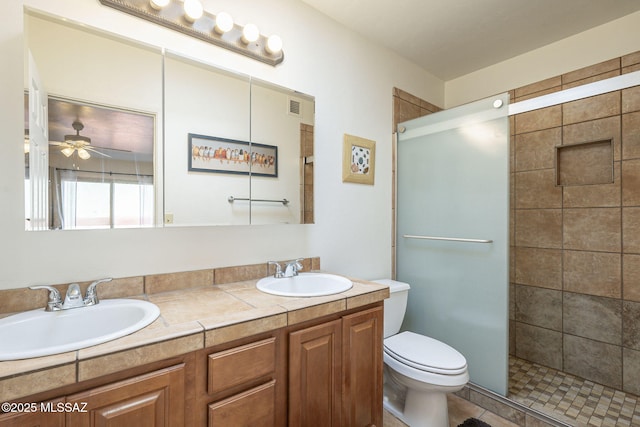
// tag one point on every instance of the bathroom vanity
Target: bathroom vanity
(218, 355)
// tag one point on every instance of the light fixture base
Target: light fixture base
(172, 16)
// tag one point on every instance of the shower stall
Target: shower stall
(518, 228)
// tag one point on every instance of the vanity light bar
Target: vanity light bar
(189, 18)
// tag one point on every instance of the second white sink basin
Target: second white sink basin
(38, 333)
(304, 285)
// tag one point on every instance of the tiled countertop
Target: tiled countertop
(190, 319)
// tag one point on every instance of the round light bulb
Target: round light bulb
(274, 44)
(193, 10)
(224, 23)
(67, 151)
(250, 33)
(159, 4)
(83, 154)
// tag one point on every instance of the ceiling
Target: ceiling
(451, 38)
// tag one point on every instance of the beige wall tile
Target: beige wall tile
(631, 99)
(175, 281)
(592, 70)
(631, 230)
(592, 229)
(592, 79)
(594, 130)
(553, 83)
(240, 273)
(593, 273)
(631, 326)
(592, 317)
(539, 228)
(631, 277)
(536, 150)
(537, 190)
(592, 108)
(585, 164)
(539, 267)
(582, 354)
(539, 307)
(631, 135)
(631, 182)
(544, 118)
(630, 59)
(539, 345)
(601, 195)
(631, 370)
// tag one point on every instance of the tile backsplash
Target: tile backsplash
(22, 299)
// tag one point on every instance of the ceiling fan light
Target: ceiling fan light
(83, 154)
(67, 151)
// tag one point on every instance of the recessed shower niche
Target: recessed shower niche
(585, 163)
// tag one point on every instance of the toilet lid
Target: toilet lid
(424, 353)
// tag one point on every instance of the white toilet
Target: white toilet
(418, 371)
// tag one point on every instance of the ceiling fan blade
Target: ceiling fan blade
(93, 150)
(57, 143)
(112, 149)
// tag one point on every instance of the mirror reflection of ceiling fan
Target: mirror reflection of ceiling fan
(80, 144)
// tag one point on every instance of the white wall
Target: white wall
(614, 39)
(352, 82)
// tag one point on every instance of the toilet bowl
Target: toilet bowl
(419, 371)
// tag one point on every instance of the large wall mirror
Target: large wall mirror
(121, 134)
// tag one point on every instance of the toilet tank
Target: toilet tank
(395, 306)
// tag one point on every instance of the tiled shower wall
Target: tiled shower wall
(575, 257)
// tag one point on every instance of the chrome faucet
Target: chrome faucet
(278, 274)
(292, 268)
(73, 298)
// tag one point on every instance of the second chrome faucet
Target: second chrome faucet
(291, 269)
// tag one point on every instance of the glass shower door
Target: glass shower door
(453, 232)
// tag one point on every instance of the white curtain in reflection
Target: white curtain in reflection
(90, 200)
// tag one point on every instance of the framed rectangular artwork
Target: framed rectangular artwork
(358, 160)
(222, 155)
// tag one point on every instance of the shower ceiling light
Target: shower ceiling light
(189, 17)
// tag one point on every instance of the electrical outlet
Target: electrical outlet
(168, 218)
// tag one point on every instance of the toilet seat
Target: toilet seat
(425, 354)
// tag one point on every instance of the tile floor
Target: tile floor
(570, 400)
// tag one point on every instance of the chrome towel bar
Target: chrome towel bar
(449, 239)
(232, 199)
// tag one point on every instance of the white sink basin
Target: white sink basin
(304, 285)
(38, 333)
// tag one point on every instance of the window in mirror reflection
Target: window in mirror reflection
(100, 175)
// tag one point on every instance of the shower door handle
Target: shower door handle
(448, 239)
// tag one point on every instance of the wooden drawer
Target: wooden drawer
(254, 407)
(241, 365)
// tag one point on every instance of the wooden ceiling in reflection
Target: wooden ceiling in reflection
(107, 127)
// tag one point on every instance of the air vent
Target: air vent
(295, 107)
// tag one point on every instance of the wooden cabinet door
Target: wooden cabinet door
(362, 368)
(315, 375)
(252, 408)
(50, 418)
(150, 400)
